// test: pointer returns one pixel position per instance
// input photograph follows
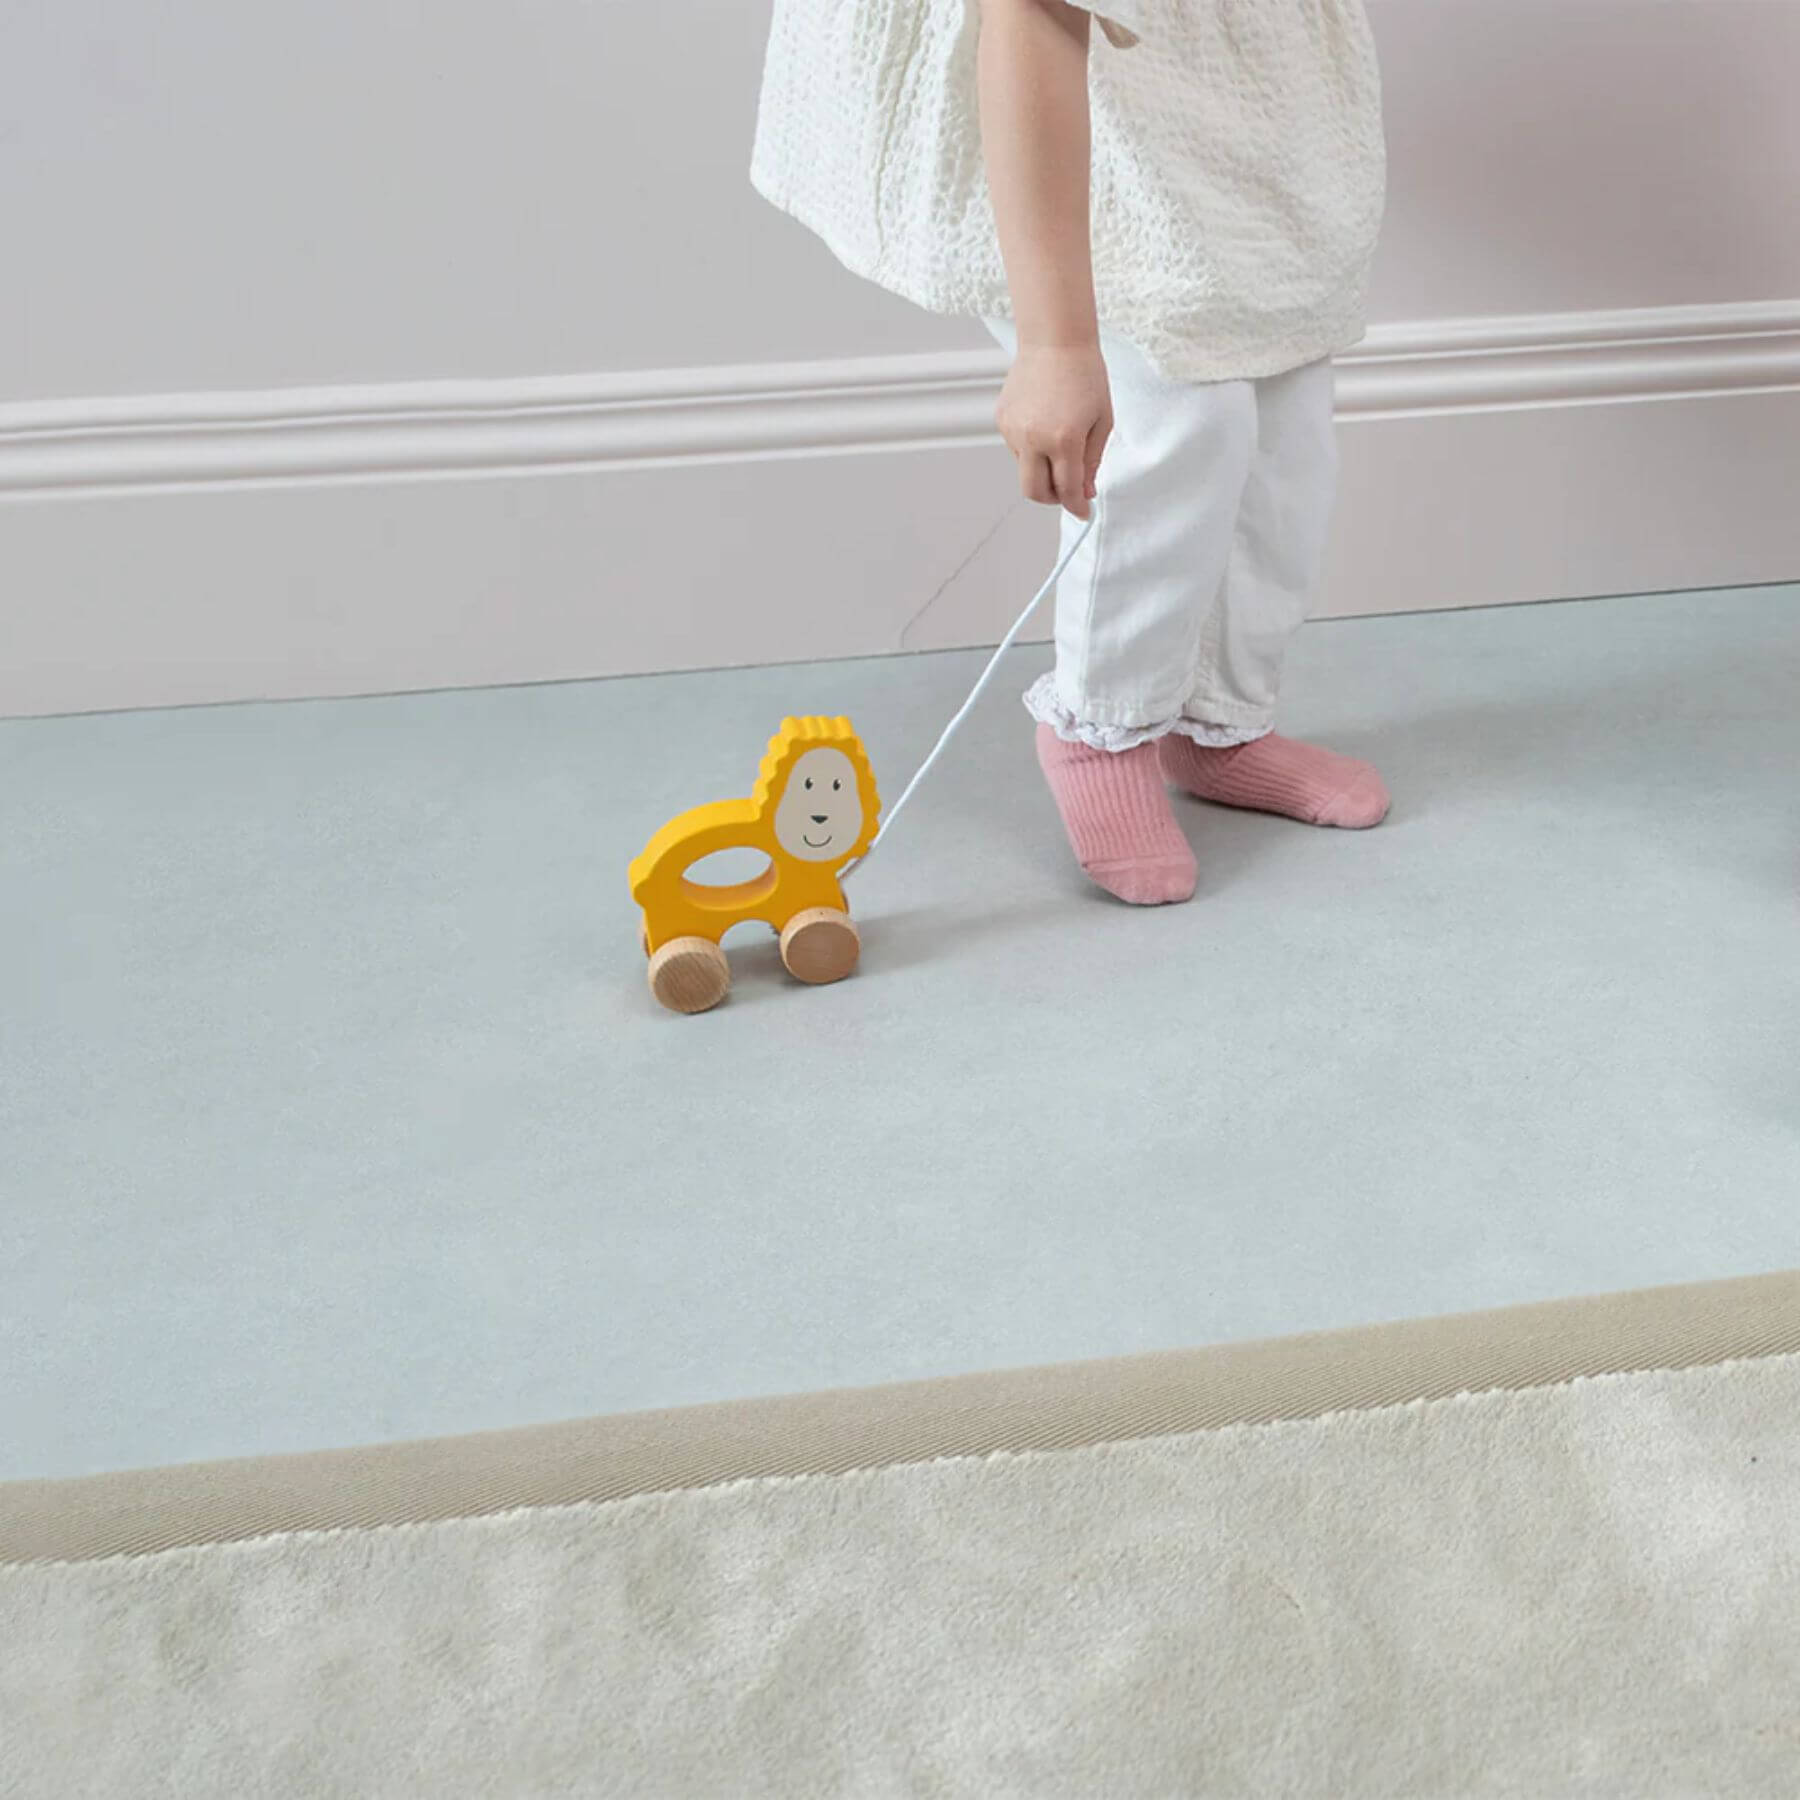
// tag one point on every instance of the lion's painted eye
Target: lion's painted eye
(809, 784)
(836, 785)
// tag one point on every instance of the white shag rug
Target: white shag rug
(1590, 1588)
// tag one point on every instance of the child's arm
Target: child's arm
(1056, 408)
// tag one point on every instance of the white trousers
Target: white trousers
(1214, 501)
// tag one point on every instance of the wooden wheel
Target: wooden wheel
(689, 975)
(820, 945)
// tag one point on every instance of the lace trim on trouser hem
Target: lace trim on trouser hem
(1044, 705)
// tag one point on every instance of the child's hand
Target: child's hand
(1056, 414)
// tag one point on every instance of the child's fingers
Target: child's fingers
(1035, 481)
(1096, 446)
(1071, 481)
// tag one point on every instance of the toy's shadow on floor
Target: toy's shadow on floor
(896, 942)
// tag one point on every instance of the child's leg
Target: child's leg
(1224, 748)
(1131, 605)
(1129, 611)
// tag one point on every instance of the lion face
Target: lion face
(820, 816)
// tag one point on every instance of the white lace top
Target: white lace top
(1237, 166)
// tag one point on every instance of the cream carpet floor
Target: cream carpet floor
(1584, 1589)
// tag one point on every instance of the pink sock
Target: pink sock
(1116, 811)
(1278, 775)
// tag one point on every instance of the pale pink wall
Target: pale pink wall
(1557, 155)
(220, 195)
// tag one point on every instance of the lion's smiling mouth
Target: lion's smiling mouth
(820, 845)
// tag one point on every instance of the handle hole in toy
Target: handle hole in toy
(728, 868)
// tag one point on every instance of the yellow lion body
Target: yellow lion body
(814, 809)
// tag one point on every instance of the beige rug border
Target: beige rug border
(1064, 1406)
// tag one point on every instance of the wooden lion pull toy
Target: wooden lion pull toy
(814, 812)
(814, 809)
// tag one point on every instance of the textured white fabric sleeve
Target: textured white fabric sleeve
(1121, 20)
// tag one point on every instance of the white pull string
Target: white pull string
(975, 693)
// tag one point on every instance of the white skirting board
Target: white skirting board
(194, 548)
